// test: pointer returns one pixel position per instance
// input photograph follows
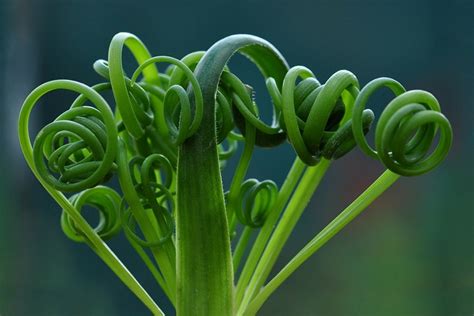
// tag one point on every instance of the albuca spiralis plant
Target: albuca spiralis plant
(166, 140)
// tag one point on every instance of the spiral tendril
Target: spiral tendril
(106, 201)
(77, 150)
(406, 129)
(186, 127)
(154, 194)
(257, 199)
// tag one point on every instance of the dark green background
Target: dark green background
(411, 253)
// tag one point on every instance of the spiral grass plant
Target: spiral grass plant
(167, 137)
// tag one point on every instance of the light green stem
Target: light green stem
(344, 218)
(287, 188)
(299, 201)
(241, 246)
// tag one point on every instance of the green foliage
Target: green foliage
(165, 144)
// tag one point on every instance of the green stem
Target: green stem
(153, 269)
(101, 248)
(241, 246)
(239, 176)
(287, 188)
(299, 201)
(204, 270)
(344, 218)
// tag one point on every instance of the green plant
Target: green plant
(165, 144)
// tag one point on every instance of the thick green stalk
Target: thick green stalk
(346, 216)
(204, 261)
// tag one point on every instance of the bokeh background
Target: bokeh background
(410, 253)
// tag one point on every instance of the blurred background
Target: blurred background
(410, 253)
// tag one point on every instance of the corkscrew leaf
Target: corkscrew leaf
(172, 132)
(106, 201)
(406, 129)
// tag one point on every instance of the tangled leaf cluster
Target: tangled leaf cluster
(137, 137)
